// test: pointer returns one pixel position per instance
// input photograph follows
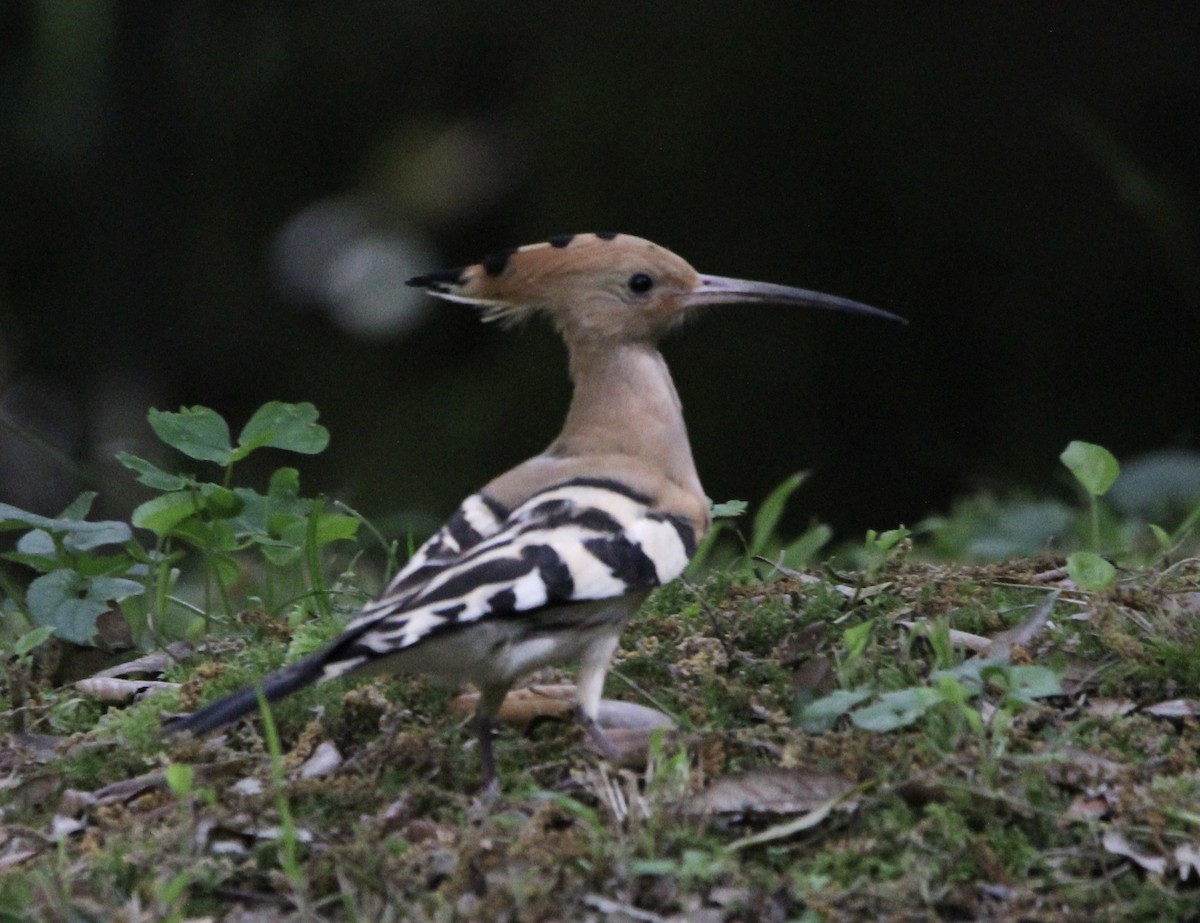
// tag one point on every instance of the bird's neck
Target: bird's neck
(626, 404)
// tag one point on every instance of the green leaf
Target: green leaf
(37, 542)
(766, 520)
(330, 528)
(804, 549)
(821, 715)
(856, 638)
(283, 426)
(164, 513)
(179, 778)
(151, 475)
(84, 536)
(197, 432)
(896, 709)
(1090, 571)
(1027, 682)
(970, 673)
(730, 509)
(279, 553)
(39, 562)
(36, 549)
(78, 534)
(79, 507)
(210, 537)
(113, 589)
(285, 484)
(884, 542)
(1162, 537)
(1094, 466)
(13, 517)
(226, 567)
(58, 600)
(32, 639)
(70, 604)
(220, 502)
(252, 521)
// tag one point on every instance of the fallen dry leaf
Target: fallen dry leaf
(1087, 808)
(812, 675)
(1080, 769)
(768, 791)
(112, 630)
(62, 826)
(1110, 708)
(74, 802)
(1116, 844)
(960, 639)
(1023, 635)
(849, 592)
(237, 833)
(523, 706)
(805, 822)
(34, 790)
(1174, 708)
(615, 910)
(632, 745)
(154, 662)
(1187, 857)
(324, 760)
(249, 786)
(1184, 603)
(128, 789)
(35, 748)
(19, 846)
(630, 716)
(112, 689)
(16, 857)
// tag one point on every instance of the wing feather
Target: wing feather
(569, 543)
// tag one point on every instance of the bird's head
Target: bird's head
(607, 287)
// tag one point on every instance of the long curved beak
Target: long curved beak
(720, 290)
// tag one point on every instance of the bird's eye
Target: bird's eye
(640, 283)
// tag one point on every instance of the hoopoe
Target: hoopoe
(547, 563)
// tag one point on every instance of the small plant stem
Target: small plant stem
(287, 824)
(162, 587)
(271, 576)
(214, 573)
(389, 548)
(313, 553)
(1187, 525)
(18, 673)
(1095, 523)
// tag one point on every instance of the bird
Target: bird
(547, 563)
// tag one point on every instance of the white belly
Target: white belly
(497, 651)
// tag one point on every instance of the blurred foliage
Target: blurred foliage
(1149, 513)
(89, 570)
(215, 203)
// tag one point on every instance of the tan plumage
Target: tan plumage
(547, 563)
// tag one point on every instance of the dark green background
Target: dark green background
(1020, 180)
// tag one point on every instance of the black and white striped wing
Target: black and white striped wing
(477, 518)
(585, 539)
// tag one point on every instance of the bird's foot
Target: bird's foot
(607, 748)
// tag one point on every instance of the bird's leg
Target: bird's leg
(593, 667)
(490, 700)
(607, 748)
